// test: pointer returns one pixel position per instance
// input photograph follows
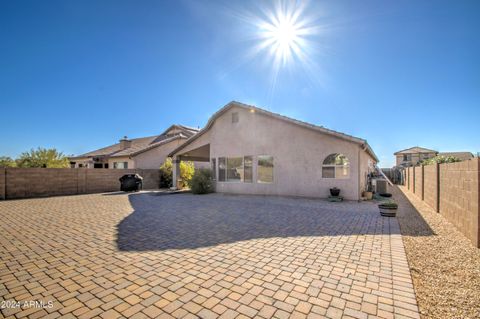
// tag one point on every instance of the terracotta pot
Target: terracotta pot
(368, 195)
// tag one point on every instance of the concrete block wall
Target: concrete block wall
(2, 183)
(452, 190)
(431, 189)
(40, 182)
(104, 180)
(418, 180)
(410, 178)
(459, 196)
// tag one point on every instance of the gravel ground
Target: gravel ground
(444, 264)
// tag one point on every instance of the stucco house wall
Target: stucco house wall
(366, 166)
(298, 154)
(131, 162)
(155, 157)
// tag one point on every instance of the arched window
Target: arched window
(336, 166)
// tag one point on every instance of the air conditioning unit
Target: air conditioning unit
(381, 186)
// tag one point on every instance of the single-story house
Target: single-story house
(414, 155)
(144, 152)
(254, 151)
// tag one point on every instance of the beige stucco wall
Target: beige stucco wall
(298, 155)
(366, 166)
(131, 162)
(86, 162)
(155, 157)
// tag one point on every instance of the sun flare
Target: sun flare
(283, 32)
(283, 36)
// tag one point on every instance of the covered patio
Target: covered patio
(198, 154)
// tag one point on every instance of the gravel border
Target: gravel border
(444, 264)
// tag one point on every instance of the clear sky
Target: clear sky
(79, 75)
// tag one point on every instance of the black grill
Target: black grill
(131, 182)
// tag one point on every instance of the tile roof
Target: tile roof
(142, 144)
(415, 150)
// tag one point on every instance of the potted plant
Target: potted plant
(388, 209)
(335, 191)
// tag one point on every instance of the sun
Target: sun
(283, 33)
(285, 36)
(282, 38)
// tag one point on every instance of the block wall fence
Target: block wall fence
(39, 182)
(452, 190)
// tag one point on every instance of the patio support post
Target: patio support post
(176, 171)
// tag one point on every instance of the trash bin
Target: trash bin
(131, 182)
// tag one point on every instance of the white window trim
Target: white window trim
(335, 171)
(273, 170)
(243, 165)
(226, 165)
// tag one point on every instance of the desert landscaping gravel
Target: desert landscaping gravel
(444, 264)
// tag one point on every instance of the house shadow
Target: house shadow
(411, 221)
(186, 221)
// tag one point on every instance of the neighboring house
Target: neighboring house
(412, 156)
(254, 151)
(145, 152)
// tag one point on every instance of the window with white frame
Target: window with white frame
(235, 169)
(336, 166)
(265, 169)
(248, 169)
(221, 169)
(120, 165)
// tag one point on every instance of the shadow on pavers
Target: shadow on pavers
(187, 221)
(417, 226)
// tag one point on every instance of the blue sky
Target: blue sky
(78, 75)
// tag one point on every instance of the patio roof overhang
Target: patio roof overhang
(200, 154)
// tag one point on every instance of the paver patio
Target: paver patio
(144, 255)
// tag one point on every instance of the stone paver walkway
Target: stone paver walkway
(162, 256)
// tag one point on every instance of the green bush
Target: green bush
(42, 157)
(187, 169)
(166, 173)
(202, 181)
(440, 159)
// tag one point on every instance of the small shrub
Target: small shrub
(202, 182)
(166, 173)
(440, 159)
(187, 169)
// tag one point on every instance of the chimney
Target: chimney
(125, 143)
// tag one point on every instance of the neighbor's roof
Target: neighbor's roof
(460, 155)
(415, 150)
(279, 117)
(143, 144)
